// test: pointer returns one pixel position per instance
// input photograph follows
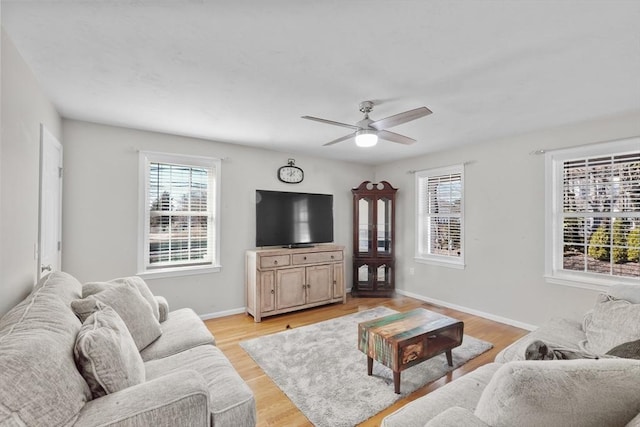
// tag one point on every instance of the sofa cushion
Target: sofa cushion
(106, 353)
(182, 330)
(231, 401)
(134, 310)
(569, 393)
(612, 322)
(39, 381)
(163, 308)
(92, 288)
(463, 392)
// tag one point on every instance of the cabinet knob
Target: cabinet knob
(332, 257)
(305, 258)
(275, 262)
(272, 291)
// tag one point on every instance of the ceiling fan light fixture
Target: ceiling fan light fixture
(366, 138)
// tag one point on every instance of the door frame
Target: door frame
(48, 139)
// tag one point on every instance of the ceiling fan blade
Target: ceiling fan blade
(344, 138)
(394, 137)
(400, 118)
(331, 122)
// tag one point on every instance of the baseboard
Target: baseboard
(222, 313)
(478, 313)
(217, 314)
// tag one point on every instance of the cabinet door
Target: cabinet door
(363, 278)
(290, 287)
(319, 283)
(364, 224)
(338, 281)
(267, 283)
(384, 276)
(384, 237)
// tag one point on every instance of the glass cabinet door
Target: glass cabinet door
(384, 276)
(384, 229)
(365, 225)
(364, 277)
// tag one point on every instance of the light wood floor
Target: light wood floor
(275, 409)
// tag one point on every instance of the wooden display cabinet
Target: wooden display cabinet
(373, 240)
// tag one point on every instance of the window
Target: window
(440, 216)
(593, 214)
(179, 218)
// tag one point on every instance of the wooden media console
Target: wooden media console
(283, 280)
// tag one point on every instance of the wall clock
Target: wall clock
(290, 174)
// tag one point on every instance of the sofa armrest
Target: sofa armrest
(534, 393)
(181, 398)
(456, 417)
(163, 306)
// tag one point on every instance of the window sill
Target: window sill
(177, 272)
(587, 281)
(459, 265)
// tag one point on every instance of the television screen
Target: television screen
(293, 219)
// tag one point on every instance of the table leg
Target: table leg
(396, 382)
(449, 358)
(369, 365)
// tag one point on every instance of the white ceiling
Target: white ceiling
(244, 71)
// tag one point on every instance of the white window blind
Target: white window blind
(439, 216)
(596, 217)
(180, 224)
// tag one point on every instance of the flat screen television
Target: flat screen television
(293, 219)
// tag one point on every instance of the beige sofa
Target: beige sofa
(130, 362)
(517, 392)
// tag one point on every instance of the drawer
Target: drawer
(274, 261)
(317, 257)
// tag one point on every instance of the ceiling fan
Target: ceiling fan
(368, 131)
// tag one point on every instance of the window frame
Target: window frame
(423, 256)
(214, 164)
(554, 250)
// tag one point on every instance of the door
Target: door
(50, 207)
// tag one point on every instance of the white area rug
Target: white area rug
(320, 368)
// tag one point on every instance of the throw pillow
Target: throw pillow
(93, 288)
(612, 322)
(626, 292)
(570, 393)
(628, 350)
(130, 306)
(105, 353)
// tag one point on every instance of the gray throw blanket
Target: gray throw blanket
(539, 350)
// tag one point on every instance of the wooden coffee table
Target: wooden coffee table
(402, 340)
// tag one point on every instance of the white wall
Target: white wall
(504, 208)
(101, 207)
(504, 214)
(24, 107)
